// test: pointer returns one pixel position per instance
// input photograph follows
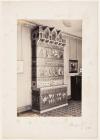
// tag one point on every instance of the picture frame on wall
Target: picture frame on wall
(73, 66)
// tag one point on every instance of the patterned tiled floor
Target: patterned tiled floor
(73, 109)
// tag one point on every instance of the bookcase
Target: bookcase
(48, 89)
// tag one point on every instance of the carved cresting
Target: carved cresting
(48, 68)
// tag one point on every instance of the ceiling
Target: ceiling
(73, 27)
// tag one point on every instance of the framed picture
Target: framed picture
(73, 66)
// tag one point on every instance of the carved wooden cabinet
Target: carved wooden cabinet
(48, 89)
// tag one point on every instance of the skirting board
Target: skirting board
(46, 110)
(24, 108)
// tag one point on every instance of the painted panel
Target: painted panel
(49, 97)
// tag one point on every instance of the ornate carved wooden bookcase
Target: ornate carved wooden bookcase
(48, 89)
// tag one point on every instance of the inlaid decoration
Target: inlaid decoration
(48, 68)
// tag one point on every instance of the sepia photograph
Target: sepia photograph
(49, 72)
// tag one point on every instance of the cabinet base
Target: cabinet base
(45, 99)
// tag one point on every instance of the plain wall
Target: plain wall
(23, 66)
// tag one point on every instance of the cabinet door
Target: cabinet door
(79, 53)
(73, 48)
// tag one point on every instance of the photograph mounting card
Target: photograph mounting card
(40, 39)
